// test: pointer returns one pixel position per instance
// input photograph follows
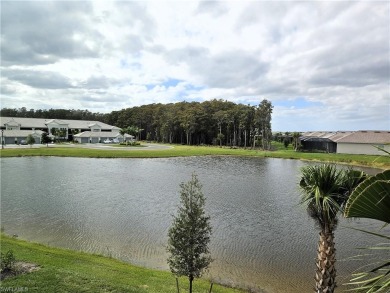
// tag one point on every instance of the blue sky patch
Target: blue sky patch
(171, 82)
(297, 103)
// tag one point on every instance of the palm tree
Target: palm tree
(296, 136)
(122, 132)
(325, 189)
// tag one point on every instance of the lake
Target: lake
(262, 238)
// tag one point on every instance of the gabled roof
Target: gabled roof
(42, 123)
(94, 124)
(22, 133)
(56, 121)
(12, 122)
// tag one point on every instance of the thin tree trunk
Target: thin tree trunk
(190, 279)
(326, 259)
(220, 132)
(211, 287)
(234, 135)
(177, 285)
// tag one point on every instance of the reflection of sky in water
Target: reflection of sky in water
(124, 207)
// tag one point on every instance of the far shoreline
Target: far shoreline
(154, 150)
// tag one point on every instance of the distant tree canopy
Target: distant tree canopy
(210, 122)
(193, 123)
(52, 114)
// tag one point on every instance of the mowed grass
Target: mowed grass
(379, 161)
(64, 270)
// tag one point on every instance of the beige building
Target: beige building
(364, 142)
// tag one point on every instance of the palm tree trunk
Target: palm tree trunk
(326, 259)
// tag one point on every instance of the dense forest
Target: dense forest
(214, 122)
(53, 114)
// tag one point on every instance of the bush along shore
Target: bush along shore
(62, 270)
(380, 161)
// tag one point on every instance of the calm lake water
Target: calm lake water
(261, 237)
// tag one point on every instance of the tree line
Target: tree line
(52, 114)
(215, 122)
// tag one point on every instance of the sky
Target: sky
(324, 65)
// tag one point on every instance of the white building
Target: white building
(15, 129)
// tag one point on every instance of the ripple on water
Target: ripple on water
(123, 208)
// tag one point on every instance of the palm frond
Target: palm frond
(371, 199)
(376, 278)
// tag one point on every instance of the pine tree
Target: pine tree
(189, 234)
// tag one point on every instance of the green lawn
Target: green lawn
(382, 162)
(69, 271)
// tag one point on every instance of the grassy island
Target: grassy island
(62, 270)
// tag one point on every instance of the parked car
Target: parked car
(107, 141)
(115, 140)
(23, 142)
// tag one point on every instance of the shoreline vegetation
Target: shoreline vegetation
(63, 270)
(373, 161)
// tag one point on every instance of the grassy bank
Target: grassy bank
(69, 271)
(382, 162)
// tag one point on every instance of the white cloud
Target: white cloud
(106, 55)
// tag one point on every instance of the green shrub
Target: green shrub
(7, 261)
(131, 143)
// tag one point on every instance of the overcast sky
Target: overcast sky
(323, 65)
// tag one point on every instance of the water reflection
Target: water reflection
(123, 208)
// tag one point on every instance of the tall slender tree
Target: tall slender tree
(263, 123)
(189, 234)
(296, 136)
(220, 118)
(325, 190)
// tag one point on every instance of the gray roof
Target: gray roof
(42, 123)
(21, 133)
(103, 134)
(12, 122)
(339, 135)
(98, 134)
(326, 134)
(56, 121)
